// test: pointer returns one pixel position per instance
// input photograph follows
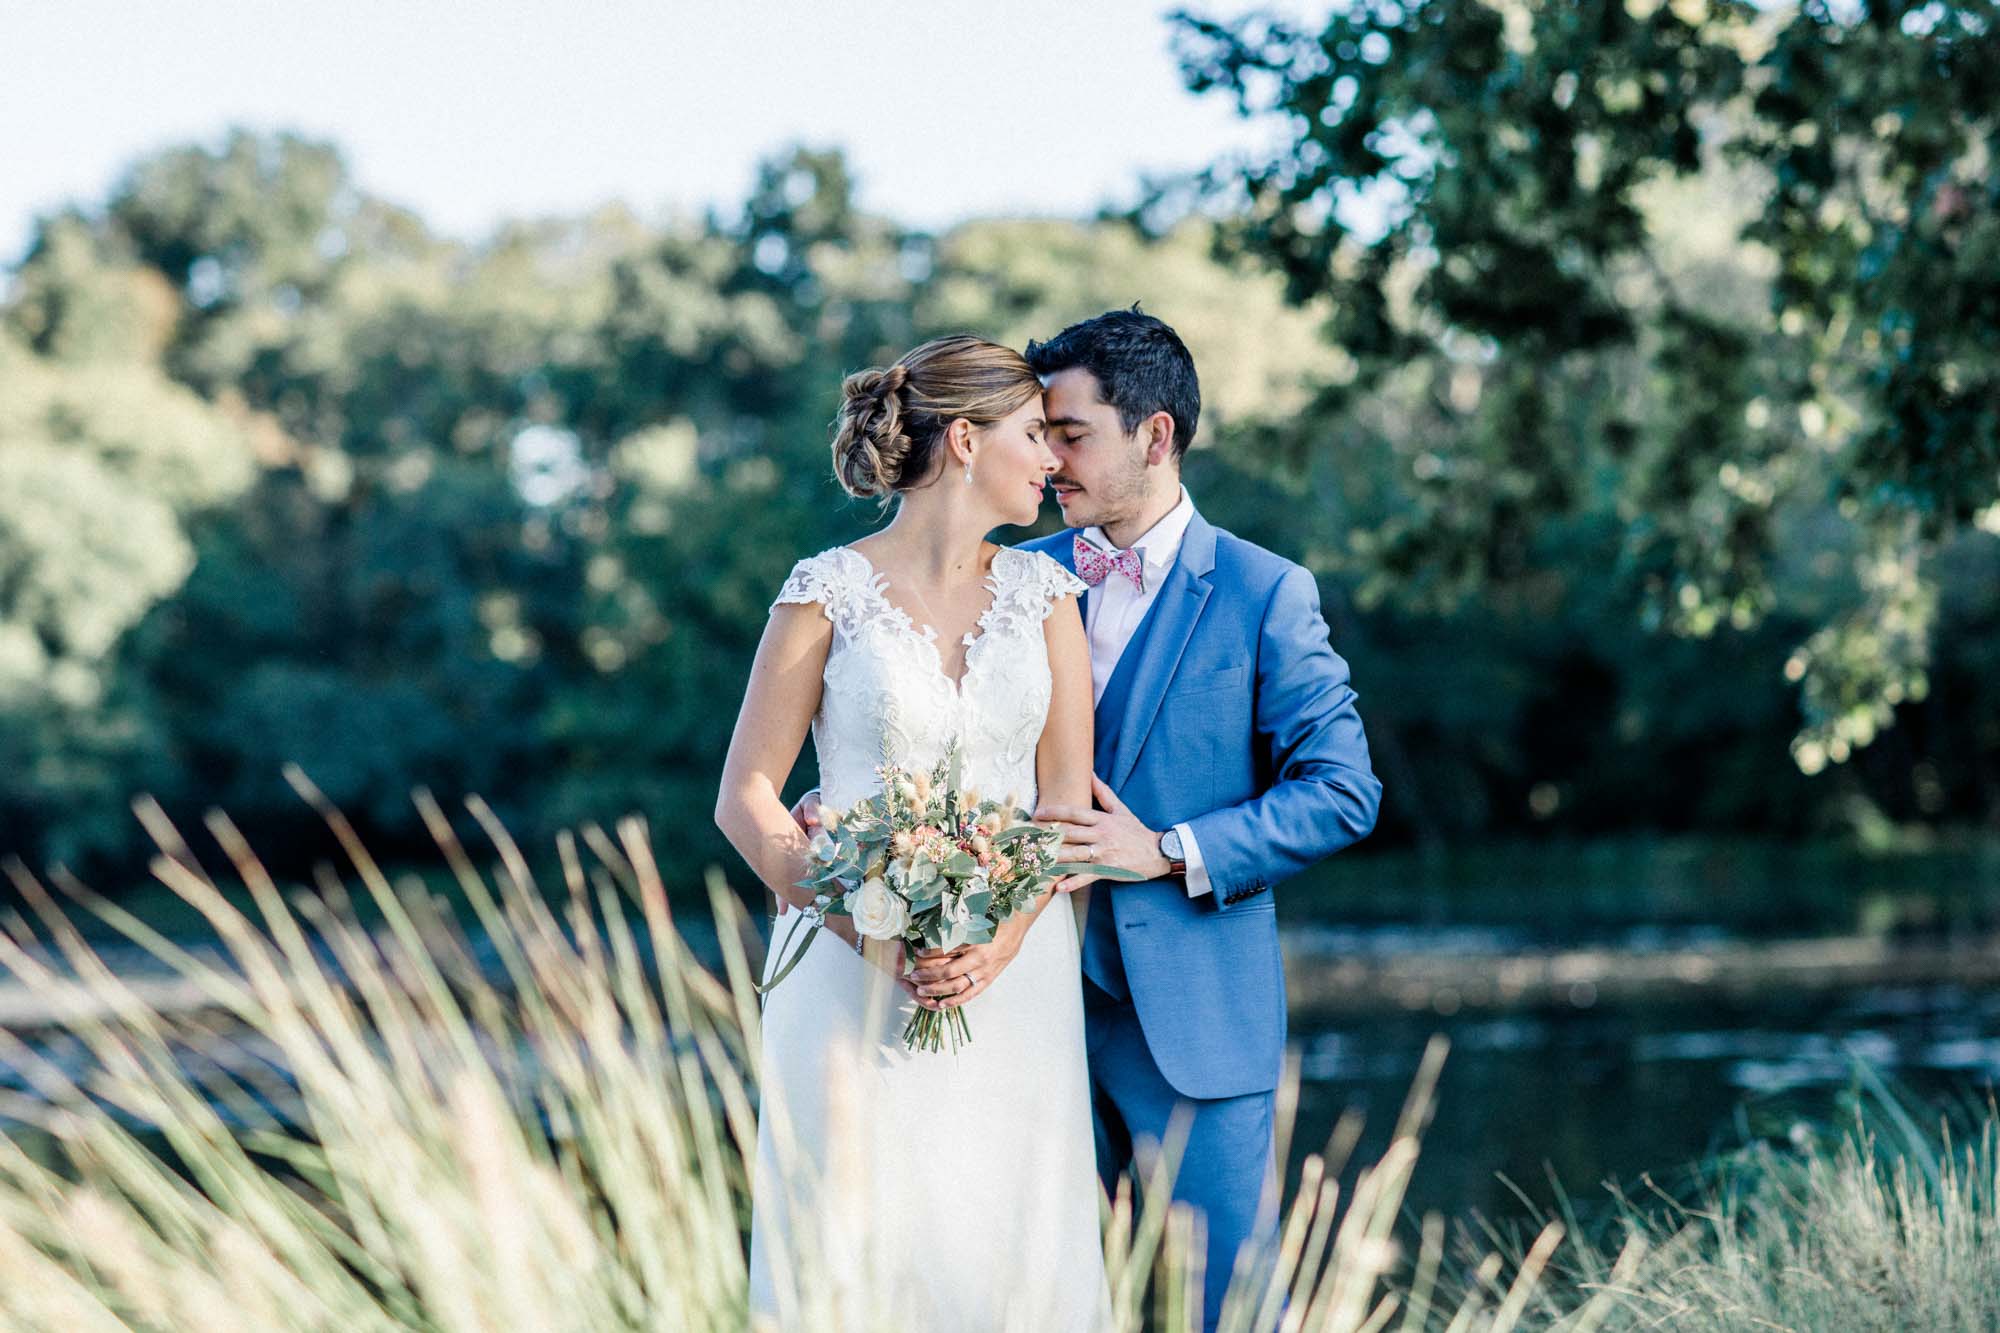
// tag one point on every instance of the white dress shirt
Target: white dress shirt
(1115, 609)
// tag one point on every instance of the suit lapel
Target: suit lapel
(1148, 662)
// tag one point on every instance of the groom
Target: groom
(1229, 758)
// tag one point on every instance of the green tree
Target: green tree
(1013, 280)
(1487, 196)
(108, 469)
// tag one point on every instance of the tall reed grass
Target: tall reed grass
(1885, 1227)
(365, 1128)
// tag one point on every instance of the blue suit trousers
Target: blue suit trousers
(1227, 1169)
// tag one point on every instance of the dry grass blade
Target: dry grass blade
(367, 1128)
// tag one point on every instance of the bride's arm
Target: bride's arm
(778, 707)
(1068, 745)
(1064, 753)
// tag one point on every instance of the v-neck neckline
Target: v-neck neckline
(879, 583)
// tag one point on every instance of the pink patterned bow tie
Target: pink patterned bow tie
(1092, 565)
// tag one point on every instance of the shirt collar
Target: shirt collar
(1161, 544)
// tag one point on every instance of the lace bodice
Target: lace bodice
(885, 693)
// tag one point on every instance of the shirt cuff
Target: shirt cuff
(1197, 872)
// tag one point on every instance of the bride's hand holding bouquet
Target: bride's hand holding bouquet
(947, 978)
(932, 867)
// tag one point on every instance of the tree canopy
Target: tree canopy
(1707, 270)
(288, 476)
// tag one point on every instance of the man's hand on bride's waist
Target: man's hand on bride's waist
(1112, 836)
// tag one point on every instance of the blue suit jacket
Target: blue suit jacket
(1230, 711)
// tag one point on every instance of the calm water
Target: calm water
(1577, 1097)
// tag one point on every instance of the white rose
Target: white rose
(956, 918)
(879, 912)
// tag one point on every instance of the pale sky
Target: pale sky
(470, 113)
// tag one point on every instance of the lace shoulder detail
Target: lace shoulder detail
(838, 579)
(1026, 585)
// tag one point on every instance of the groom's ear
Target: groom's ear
(1157, 431)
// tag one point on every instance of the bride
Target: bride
(919, 1190)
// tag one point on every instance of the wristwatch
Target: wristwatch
(1170, 847)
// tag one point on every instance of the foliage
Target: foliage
(291, 478)
(1494, 202)
(109, 467)
(1885, 1224)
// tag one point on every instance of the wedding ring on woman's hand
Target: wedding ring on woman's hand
(1088, 851)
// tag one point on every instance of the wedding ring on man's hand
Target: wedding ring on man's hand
(970, 982)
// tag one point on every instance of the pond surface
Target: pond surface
(1579, 1096)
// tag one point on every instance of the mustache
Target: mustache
(1061, 481)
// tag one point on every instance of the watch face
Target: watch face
(1170, 844)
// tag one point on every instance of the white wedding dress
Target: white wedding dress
(948, 1192)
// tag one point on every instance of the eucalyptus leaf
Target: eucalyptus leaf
(1092, 868)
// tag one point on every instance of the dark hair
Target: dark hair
(1141, 365)
(892, 417)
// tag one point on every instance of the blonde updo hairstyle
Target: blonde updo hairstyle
(893, 418)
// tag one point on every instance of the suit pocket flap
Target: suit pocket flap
(1222, 679)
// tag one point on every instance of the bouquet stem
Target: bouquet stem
(818, 923)
(928, 1029)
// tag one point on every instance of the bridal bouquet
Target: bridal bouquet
(931, 863)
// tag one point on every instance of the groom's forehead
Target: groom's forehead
(1070, 394)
